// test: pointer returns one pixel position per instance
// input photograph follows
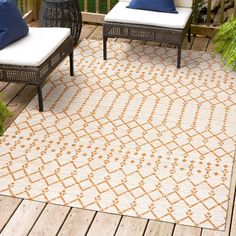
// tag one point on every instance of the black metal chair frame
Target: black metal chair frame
(146, 33)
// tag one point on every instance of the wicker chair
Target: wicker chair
(122, 22)
(61, 13)
(31, 59)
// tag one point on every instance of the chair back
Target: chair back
(178, 3)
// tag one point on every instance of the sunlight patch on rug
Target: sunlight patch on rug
(132, 135)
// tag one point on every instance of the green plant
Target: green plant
(4, 113)
(225, 40)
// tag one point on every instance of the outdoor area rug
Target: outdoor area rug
(132, 135)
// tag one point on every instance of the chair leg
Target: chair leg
(189, 34)
(179, 56)
(40, 98)
(72, 64)
(104, 48)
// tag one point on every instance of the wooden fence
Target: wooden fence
(94, 11)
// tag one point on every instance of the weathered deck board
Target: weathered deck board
(86, 31)
(131, 226)
(8, 205)
(200, 44)
(97, 33)
(186, 44)
(23, 218)
(181, 230)
(123, 40)
(3, 85)
(50, 220)
(77, 223)
(19, 102)
(210, 46)
(19, 217)
(10, 91)
(155, 228)
(104, 224)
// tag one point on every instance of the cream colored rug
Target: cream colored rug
(132, 135)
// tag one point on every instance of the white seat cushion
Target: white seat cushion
(35, 48)
(120, 13)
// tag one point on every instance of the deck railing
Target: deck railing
(207, 28)
(28, 9)
(95, 10)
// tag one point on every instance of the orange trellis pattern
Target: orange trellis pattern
(132, 135)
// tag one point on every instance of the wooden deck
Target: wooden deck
(24, 217)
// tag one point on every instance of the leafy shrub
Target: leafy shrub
(4, 113)
(225, 40)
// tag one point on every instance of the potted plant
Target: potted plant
(4, 113)
(225, 42)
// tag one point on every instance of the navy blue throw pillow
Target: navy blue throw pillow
(12, 25)
(154, 5)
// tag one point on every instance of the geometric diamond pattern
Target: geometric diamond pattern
(132, 135)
